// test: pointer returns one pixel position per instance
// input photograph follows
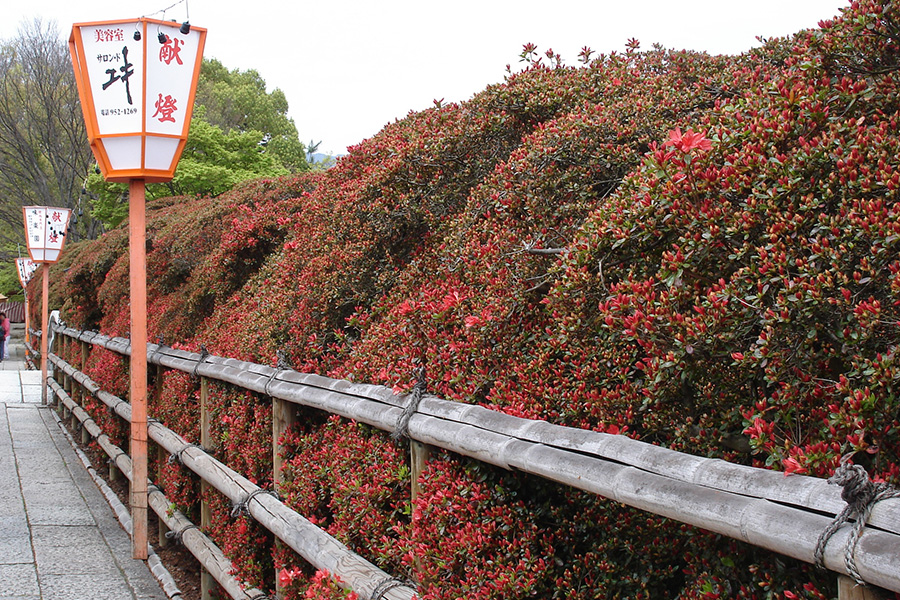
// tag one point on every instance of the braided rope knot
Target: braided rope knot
(173, 458)
(388, 584)
(281, 366)
(401, 430)
(861, 494)
(203, 354)
(242, 507)
(179, 535)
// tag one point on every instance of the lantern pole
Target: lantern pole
(45, 324)
(135, 145)
(138, 281)
(27, 318)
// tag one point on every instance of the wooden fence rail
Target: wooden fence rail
(316, 546)
(783, 514)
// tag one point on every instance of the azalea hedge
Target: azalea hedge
(697, 251)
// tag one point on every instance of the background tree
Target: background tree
(237, 101)
(44, 154)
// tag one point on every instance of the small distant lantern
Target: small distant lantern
(45, 230)
(26, 268)
(137, 80)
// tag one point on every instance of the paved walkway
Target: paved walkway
(59, 539)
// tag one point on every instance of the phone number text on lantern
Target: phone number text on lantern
(115, 112)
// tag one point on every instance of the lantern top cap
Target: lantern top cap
(135, 20)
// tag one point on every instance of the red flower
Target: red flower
(688, 140)
(791, 466)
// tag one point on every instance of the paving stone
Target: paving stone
(30, 377)
(16, 549)
(18, 580)
(13, 524)
(72, 550)
(81, 587)
(59, 515)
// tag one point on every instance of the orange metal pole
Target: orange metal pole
(138, 281)
(45, 328)
(27, 321)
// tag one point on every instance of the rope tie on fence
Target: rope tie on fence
(177, 456)
(112, 459)
(178, 535)
(281, 366)
(261, 596)
(401, 430)
(387, 584)
(160, 343)
(861, 494)
(203, 354)
(242, 507)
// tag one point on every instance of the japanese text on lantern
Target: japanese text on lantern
(34, 224)
(123, 74)
(167, 105)
(171, 50)
(110, 35)
(164, 108)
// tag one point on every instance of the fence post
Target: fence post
(58, 346)
(418, 457)
(161, 455)
(284, 415)
(66, 380)
(163, 529)
(850, 590)
(85, 349)
(207, 583)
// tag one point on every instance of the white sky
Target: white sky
(350, 67)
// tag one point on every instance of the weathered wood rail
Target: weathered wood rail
(761, 507)
(318, 547)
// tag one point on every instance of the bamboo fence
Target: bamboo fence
(761, 507)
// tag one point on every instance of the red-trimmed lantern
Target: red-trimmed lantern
(45, 232)
(137, 80)
(26, 268)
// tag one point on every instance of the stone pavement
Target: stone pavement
(59, 539)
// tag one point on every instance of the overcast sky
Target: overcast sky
(350, 67)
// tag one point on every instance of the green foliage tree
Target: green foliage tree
(239, 132)
(9, 276)
(237, 100)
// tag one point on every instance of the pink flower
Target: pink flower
(688, 140)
